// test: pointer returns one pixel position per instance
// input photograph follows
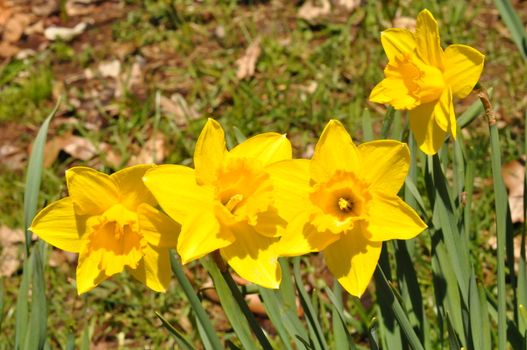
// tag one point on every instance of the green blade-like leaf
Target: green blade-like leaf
(180, 338)
(22, 307)
(400, 314)
(278, 317)
(195, 303)
(515, 25)
(309, 310)
(229, 304)
(34, 176)
(37, 331)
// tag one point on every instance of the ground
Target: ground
(138, 79)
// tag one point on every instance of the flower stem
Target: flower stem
(201, 315)
(501, 215)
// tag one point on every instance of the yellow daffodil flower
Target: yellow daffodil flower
(226, 202)
(422, 78)
(110, 220)
(343, 202)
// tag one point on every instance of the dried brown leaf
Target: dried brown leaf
(349, 5)
(76, 146)
(513, 174)
(247, 63)
(311, 9)
(178, 107)
(15, 27)
(153, 151)
(9, 260)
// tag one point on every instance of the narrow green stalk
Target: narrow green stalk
(257, 330)
(201, 315)
(501, 217)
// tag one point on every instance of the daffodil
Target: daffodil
(226, 202)
(343, 202)
(112, 222)
(422, 78)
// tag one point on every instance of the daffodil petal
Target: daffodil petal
(463, 67)
(89, 275)
(176, 190)
(91, 191)
(157, 228)
(254, 257)
(429, 136)
(301, 237)
(385, 164)
(131, 188)
(200, 235)
(391, 218)
(269, 223)
(58, 225)
(396, 41)
(154, 269)
(209, 153)
(352, 260)
(290, 180)
(335, 150)
(427, 39)
(393, 91)
(268, 148)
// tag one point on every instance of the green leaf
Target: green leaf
(37, 331)
(195, 303)
(34, 176)
(230, 306)
(385, 289)
(515, 25)
(309, 310)
(180, 338)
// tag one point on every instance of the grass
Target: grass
(306, 74)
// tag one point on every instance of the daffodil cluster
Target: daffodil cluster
(255, 203)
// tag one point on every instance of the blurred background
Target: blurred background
(137, 80)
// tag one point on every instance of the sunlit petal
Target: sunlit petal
(301, 237)
(209, 153)
(254, 257)
(131, 188)
(428, 135)
(157, 228)
(463, 67)
(89, 275)
(176, 190)
(394, 92)
(391, 218)
(267, 148)
(352, 260)
(397, 41)
(58, 225)
(385, 164)
(200, 235)
(335, 150)
(91, 191)
(290, 180)
(154, 269)
(427, 39)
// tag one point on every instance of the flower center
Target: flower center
(244, 190)
(345, 205)
(232, 202)
(116, 240)
(423, 81)
(341, 201)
